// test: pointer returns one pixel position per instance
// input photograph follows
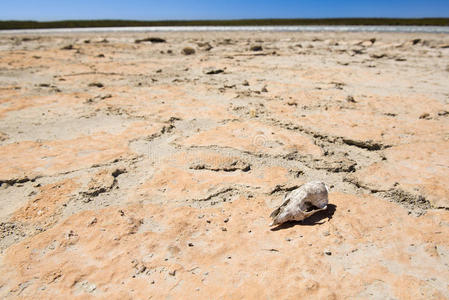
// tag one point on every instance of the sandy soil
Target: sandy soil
(132, 170)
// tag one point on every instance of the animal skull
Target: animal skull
(301, 203)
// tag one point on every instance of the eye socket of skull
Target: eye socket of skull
(308, 206)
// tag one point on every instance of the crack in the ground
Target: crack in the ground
(412, 201)
(165, 130)
(365, 145)
(283, 189)
(216, 194)
(329, 163)
(98, 188)
(345, 165)
(236, 165)
(14, 181)
(416, 203)
(368, 145)
(342, 167)
(225, 194)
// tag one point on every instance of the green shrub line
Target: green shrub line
(10, 24)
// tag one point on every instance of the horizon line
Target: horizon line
(237, 19)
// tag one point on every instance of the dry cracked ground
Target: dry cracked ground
(131, 168)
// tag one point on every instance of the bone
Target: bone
(301, 203)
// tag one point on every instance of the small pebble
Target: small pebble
(256, 48)
(188, 51)
(425, 116)
(93, 221)
(350, 99)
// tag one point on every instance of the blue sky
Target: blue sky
(217, 9)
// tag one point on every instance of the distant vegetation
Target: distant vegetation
(249, 22)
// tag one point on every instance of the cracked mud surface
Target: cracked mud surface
(130, 169)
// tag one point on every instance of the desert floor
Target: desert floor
(132, 170)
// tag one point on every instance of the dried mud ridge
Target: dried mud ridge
(167, 161)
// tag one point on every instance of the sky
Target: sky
(47, 10)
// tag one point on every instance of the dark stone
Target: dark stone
(256, 48)
(68, 47)
(96, 84)
(150, 39)
(214, 71)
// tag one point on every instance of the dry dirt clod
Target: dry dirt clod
(150, 39)
(96, 84)
(256, 48)
(425, 116)
(350, 99)
(92, 222)
(188, 51)
(213, 71)
(68, 47)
